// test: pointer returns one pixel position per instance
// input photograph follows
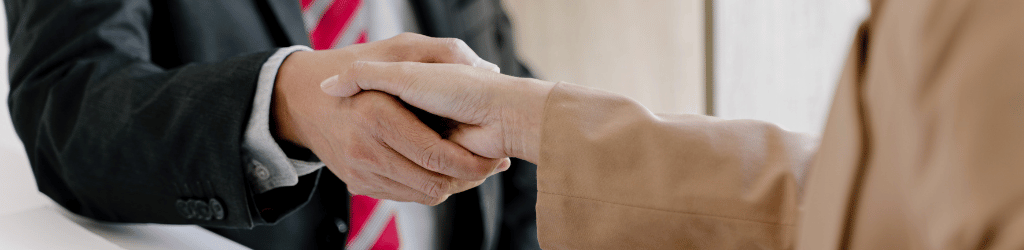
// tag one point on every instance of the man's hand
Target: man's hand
(370, 140)
(501, 115)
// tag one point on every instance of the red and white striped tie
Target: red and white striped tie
(335, 24)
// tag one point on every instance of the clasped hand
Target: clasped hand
(498, 115)
(369, 139)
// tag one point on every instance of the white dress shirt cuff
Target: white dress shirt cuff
(268, 167)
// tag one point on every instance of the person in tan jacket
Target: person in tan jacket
(923, 148)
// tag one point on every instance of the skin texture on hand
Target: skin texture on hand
(370, 140)
(500, 115)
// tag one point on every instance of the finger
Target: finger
(424, 147)
(330, 86)
(420, 48)
(408, 173)
(388, 189)
(449, 50)
(478, 140)
(459, 52)
(440, 89)
(365, 75)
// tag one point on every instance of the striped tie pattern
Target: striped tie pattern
(334, 24)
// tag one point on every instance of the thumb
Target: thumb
(432, 84)
(331, 87)
(448, 90)
(386, 77)
(483, 141)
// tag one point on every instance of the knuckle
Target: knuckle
(361, 154)
(356, 189)
(430, 188)
(431, 159)
(433, 201)
(354, 68)
(425, 200)
(437, 188)
(372, 190)
(398, 48)
(356, 181)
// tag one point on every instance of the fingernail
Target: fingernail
(484, 64)
(495, 68)
(505, 164)
(328, 84)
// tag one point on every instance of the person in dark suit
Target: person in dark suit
(160, 112)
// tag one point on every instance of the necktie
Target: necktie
(335, 24)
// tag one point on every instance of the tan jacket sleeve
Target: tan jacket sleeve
(612, 175)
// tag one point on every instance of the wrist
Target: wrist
(531, 120)
(284, 123)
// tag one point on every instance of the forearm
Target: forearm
(113, 136)
(678, 180)
(127, 148)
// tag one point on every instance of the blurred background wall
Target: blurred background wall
(779, 60)
(650, 50)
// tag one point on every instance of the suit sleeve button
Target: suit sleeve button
(216, 209)
(184, 209)
(260, 171)
(201, 209)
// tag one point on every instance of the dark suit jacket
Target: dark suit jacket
(134, 111)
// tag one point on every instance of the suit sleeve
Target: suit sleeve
(612, 175)
(112, 136)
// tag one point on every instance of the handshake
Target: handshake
(346, 105)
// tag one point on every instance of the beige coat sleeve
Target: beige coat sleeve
(612, 175)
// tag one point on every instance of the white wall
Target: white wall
(649, 50)
(779, 60)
